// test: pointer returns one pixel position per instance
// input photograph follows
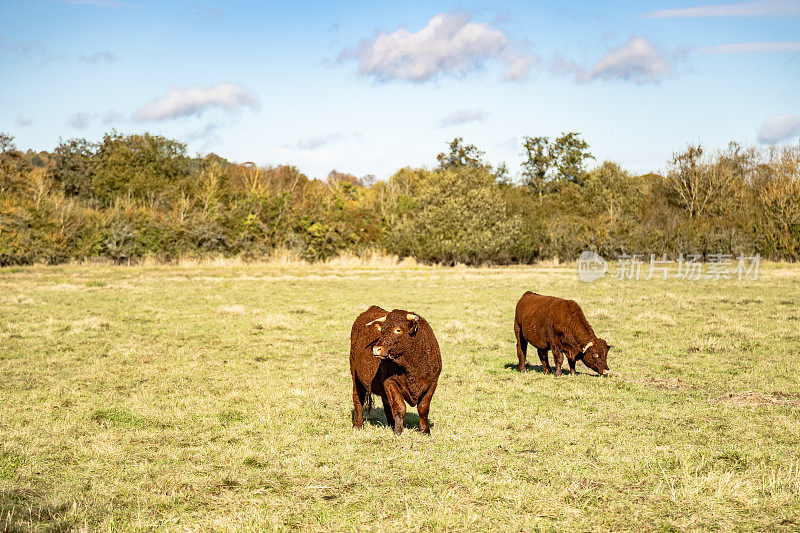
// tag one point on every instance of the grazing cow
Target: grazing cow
(394, 355)
(550, 323)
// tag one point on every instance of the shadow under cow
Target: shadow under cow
(378, 418)
(539, 368)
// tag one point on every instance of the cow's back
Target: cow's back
(541, 317)
(534, 315)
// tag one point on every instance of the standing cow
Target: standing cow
(550, 323)
(394, 355)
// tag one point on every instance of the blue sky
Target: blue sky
(369, 87)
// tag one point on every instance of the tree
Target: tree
(142, 166)
(501, 174)
(6, 143)
(461, 155)
(536, 167)
(571, 154)
(36, 159)
(456, 215)
(72, 167)
(563, 158)
(13, 165)
(777, 182)
(335, 178)
(348, 184)
(696, 183)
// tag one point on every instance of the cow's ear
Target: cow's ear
(413, 323)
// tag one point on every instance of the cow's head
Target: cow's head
(594, 356)
(397, 332)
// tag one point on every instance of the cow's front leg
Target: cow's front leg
(558, 357)
(387, 410)
(543, 359)
(571, 362)
(359, 395)
(424, 407)
(397, 404)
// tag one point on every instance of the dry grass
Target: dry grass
(234, 310)
(217, 397)
(756, 398)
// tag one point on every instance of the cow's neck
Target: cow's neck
(582, 340)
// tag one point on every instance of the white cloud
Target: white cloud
(23, 122)
(751, 48)
(464, 116)
(518, 67)
(103, 56)
(30, 51)
(83, 119)
(208, 135)
(777, 128)
(80, 120)
(449, 44)
(636, 60)
(112, 116)
(320, 141)
(754, 8)
(194, 100)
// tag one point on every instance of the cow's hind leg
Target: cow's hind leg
(359, 398)
(543, 359)
(522, 346)
(424, 407)
(558, 359)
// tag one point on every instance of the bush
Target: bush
(458, 215)
(134, 196)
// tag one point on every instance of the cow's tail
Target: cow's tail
(368, 405)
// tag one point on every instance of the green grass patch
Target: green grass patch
(219, 398)
(229, 417)
(9, 464)
(119, 417)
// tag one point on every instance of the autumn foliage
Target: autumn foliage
(129, 197)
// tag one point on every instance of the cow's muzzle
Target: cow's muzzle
(380, 351)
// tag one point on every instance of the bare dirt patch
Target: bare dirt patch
(755, 398)
(666, 383)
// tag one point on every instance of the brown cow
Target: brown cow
(394, 355)
(551, 323)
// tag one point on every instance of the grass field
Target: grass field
(219, 398)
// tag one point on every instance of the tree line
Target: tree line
(129, 197)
